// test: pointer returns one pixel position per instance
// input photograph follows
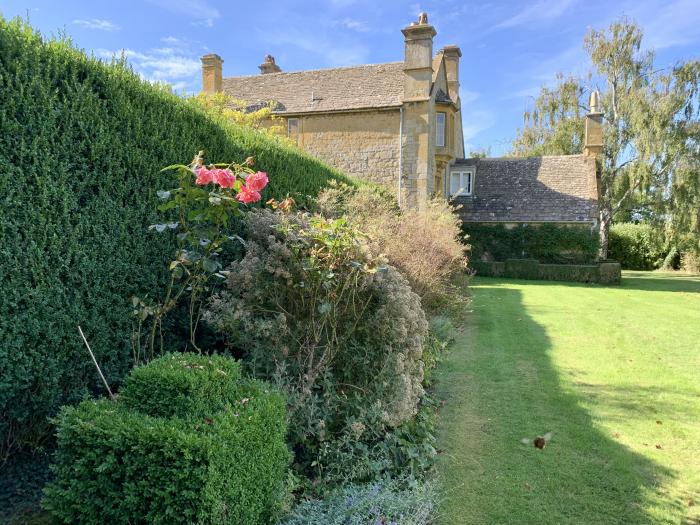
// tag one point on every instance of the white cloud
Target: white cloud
(96, 23)
(467, 96)
(165, 65)
(333, 52)
(541, 11)
(671, 24)
(200, 12)
(352, 24)
(475, 121)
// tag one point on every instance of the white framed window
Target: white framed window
(440, 129)
(292, 127)
(461, 182)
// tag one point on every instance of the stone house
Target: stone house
(400, 124)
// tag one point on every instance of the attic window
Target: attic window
(440, 129)
(462, 182)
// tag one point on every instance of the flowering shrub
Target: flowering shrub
(200, 209)
(337, 328)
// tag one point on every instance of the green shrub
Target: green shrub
(636, 246)
(610, 272)
(488, 268)
(178, 385)
(384, 502)
(310, 306)
(548, 243)
(223, 462)
(522, 268)
(584, 273)
(81, 147)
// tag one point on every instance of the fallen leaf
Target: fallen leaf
(616, 435)
(658, 445)
(659, 422)
(527, 486)
(691, 502)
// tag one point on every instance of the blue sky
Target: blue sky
(510, 48)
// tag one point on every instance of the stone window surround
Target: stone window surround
(440, 127)
(466, 190)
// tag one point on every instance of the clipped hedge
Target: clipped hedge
(636, 246)
(206, 462)
(605, 272)
(548, 243)
(81, 147)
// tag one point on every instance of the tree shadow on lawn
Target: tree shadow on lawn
(500, 386)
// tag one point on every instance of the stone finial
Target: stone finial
(269, 65)
(593, 138)
(423, 18)
(594, 101)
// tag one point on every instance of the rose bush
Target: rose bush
(200, 210)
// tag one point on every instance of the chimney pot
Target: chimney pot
(451, 56)
(269, 66)
(418, 58)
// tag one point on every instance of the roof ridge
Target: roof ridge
(514, 157)
(280, 73)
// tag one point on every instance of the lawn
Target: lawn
(612, 372)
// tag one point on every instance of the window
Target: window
(461, 182)
(293, 128)
(440, 129)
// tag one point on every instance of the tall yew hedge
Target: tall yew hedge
(81, 145)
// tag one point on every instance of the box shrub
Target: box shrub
(636, 246)
(605, 272)
(610, 272)
(548, 243)
(522, 268)
(81, 149)
(584, 273)
(206, 462)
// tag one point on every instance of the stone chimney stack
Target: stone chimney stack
(593, 144)
(452, 55)
(418, 60)
(269, 66)
(211, 73)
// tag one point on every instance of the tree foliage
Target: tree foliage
(650, 128)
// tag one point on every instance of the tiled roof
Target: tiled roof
(343, 88)
(535, 189)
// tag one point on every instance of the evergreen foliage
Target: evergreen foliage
(81, 147)
(209, 460)
(548, 243)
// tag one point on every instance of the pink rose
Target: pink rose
(247, 195)
(204, 176)
(256, 181)
(224, 178)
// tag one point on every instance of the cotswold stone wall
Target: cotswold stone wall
(364, 145)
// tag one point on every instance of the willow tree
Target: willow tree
(649, 124)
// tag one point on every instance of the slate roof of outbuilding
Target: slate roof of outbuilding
(559, 188)
(336, 89)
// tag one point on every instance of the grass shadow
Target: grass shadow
(500, 386)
